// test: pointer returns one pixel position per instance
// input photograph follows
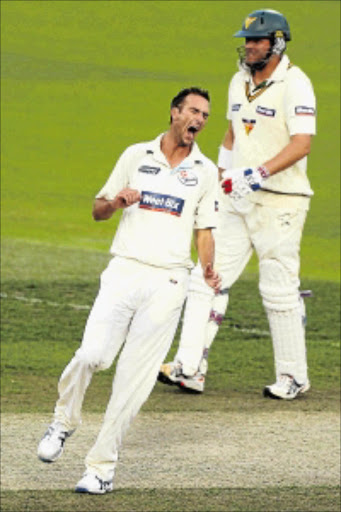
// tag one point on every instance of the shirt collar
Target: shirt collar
(195, 157)
(281, 70)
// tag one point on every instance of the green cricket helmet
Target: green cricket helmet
(265, 23)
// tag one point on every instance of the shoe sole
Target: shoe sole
(50, 461)
(47, 461)
(165, 380)
(181, 385)
(84, 490)
(268, 394)
(189, 391)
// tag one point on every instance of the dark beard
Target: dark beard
(256, 66)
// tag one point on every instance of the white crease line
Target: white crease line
(41, 301)
(242, 329)
(80, 307)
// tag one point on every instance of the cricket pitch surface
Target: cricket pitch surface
(179, 450)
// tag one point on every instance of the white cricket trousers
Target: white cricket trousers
(138, 307)
(275, 235)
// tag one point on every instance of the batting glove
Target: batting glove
(230, 176)
(240, 182)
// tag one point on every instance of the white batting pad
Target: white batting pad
(288, 338)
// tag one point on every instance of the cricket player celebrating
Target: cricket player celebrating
(265, 195)
(166, 188)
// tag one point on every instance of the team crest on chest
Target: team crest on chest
(187, 177)
(249, 125)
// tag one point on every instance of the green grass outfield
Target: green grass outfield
(80, 81)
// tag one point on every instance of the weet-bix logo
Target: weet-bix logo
(149, 170)
(269, 112)
(161, 203)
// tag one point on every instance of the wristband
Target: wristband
(224, 158)
(263, 171)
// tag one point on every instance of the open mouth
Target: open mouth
(193, 129)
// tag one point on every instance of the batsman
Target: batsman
(264, 199)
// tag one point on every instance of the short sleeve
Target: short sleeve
(206, 214)
(300, 106)
(229, 104)
(118, 179)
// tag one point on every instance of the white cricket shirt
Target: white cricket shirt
(263, 120)
(158, 230)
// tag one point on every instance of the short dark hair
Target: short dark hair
(179, 98)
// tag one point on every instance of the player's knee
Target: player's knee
(278, 286)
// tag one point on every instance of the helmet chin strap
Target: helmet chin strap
(278, 47)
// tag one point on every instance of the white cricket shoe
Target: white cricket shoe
(171, 373)
(286, 388)
(194, 384)
(93, 484)
(51, 445)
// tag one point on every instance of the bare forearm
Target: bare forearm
(205, 246)
(225, 154)
(103, 208)
(229, 137)
(298, 148)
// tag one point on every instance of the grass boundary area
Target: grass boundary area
(272, 499)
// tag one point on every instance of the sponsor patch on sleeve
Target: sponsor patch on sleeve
(161, 203)
(304, 111)
(269, 112)
(236, 107)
